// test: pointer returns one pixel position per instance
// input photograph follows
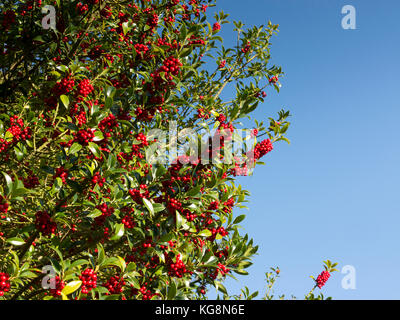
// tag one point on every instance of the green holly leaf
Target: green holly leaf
(71, 287)
(76, 147)
(148, 205)
(16, 241)
(65, 100)
(119, 232)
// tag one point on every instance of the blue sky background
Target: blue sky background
(333, 193)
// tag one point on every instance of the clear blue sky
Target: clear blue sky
(334, 192)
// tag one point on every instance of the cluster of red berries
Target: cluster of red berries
(122, 156)
(3, 145)
(3, 205)
(136, 148)
(81, 8)
(84, 88)
(80, 117)
(138, 194)
(216, 27)
(190, 216)
(201, 114)
(177, 269)
(98, 179)
(108, 122)
(225, 130)
(106, 233)
(142, 138)
(223, 269)
(4, 283)
(60, 284)
(44, 223)
(148, 243)
(216, 231)
(106, 212)
(62, 173)
(152, 21)
(128, 210)
(146, 293)
(273, 79)
(322, 278)
(221, 118)
(89, 280)
(261, 94)
(165, 42)
(196, 41)
(262, 148)
(64, 86)
(222, 64)
(228, 205)
(115, 285)
(145, 114)
(171, 67)
(246, 48)
(17, 129)
(213, 205)
(141, 50)
(128, 222)
(83, 136)
(173, 205)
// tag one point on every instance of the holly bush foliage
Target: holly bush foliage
(78, 191)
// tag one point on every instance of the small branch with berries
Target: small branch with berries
(322, 278)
